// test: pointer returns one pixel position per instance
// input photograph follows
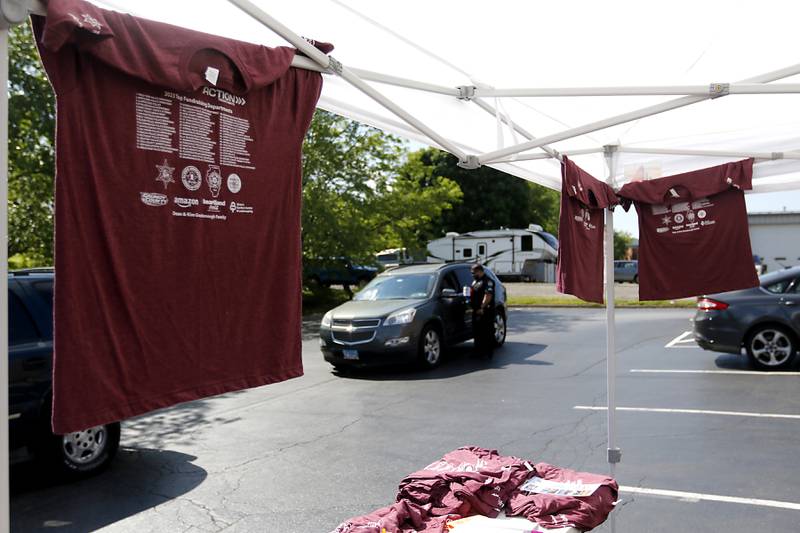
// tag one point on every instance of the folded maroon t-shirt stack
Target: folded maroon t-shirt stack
(465, 482)
(558, 497)
(476, 481)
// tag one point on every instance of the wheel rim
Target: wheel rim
(499, 328)
(85, 446)
(432, 347)
(771, 347)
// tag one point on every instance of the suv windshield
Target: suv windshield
(397, 287)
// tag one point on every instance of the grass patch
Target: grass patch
(571, 301)
(322, 299)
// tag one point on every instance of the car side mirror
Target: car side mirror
(449, 293)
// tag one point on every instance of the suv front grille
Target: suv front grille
(357, 323)
(354, 331)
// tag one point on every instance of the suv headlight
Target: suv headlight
(404, 316)
(326, 320)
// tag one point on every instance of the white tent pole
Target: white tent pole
(369, 75)
(793, 154)
(11, 13)
(710, 90)
(405, 82)
(625, 117)
(5, 513)
(614, 454)
(329, 62)
(535, 157)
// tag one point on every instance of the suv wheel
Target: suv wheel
(499, 329)
(81, 453)
(430, 347)
(771, 347)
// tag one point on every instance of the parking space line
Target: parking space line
(697, 496)
(682, 339)
(688, 411)
(734, 372)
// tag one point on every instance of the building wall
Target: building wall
(776, 238)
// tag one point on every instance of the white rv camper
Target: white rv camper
(520, 253)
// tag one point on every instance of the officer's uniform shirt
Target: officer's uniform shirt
(481, 287)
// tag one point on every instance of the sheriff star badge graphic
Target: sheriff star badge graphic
(165, 173)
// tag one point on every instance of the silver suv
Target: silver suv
(405, 315)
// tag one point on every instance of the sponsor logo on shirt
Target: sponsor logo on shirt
(683, 217)
(240, 208)
(224, 96)
(214, 180)
(234, 183)
(165, 173)
(214, 206)
(191, 178)
(185, 202)
(153, 199)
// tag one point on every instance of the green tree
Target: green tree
(362, 193)
(491, 199)
(31, 164)
(622, 241)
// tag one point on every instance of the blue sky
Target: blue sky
(756, 203)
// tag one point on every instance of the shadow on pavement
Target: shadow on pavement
(538, 319)
(459, 361)
(173, 425)
(729, 361)
(137, 479)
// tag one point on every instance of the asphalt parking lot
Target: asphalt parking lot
(708, 444)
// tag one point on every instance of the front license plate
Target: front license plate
(350, 354)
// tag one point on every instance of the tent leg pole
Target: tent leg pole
(614, 454)
(5, 516)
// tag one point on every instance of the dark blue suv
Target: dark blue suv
(30, 368)
(407, 314)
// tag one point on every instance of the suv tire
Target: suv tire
(500, 328)
(430, 347)
(79, 454)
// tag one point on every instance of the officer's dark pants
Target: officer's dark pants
(483, 333)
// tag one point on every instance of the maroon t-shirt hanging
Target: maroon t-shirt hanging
(580, 233)
(693, 232)
(178, 195)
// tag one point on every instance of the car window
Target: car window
(464, 277)
(45, 290)
(21, 328)
(450, 281)
(397, 287)
(778, 287)
(796, 287)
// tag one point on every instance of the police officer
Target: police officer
(482, 302)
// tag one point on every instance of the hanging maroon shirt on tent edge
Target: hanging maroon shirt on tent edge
(580, 233)
(693, 232)
(177, 216)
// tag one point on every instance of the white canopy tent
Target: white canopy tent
(625, 89)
